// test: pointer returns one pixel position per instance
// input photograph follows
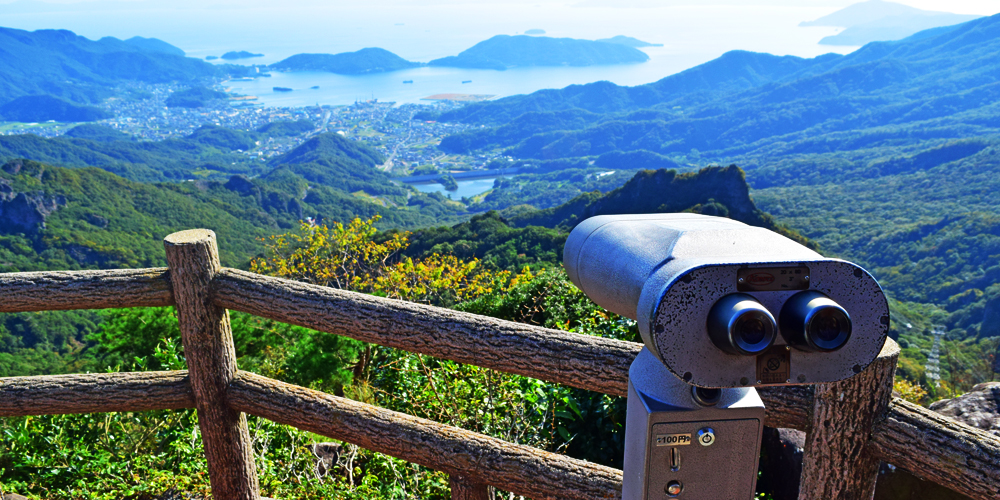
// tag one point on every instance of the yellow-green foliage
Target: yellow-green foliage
(348, 257)
(909, 391)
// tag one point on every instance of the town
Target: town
(407, 142)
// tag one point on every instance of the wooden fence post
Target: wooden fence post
(837, 464)
(193, 257)
(463, 489)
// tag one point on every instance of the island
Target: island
(369, 60)
(230, 56)
(504, 51)
(281, 89)
(448, 182)
(629, 41)
(211, 58)
(877, 21)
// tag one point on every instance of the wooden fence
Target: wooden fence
(851, 426)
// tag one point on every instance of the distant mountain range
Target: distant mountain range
(745, 102)
(876, 20)
(503, 52)
(500, 53)
(61, 64)
(79, 71)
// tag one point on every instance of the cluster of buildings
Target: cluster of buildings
(407, 134)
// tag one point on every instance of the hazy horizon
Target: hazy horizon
(691, 32)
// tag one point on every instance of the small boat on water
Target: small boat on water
(407, 81)
(466, 81)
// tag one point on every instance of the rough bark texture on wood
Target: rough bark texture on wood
(193, 258)
(463, 489)
(481, 459)
(567, 358)
(937, 448)
(787, 406)
(837, 463)
(64, 290)
(94, 393)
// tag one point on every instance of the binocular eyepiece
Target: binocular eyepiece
(738, 324)
(809, 321)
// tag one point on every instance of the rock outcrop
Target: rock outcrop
(979, 408)
(24, 212)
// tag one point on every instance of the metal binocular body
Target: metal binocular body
(722, 307)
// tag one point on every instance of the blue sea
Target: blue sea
(690, 34)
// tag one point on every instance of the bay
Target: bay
(690, 34)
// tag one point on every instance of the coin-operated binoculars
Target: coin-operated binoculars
(723, 308)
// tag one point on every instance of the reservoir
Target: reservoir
(466, 188)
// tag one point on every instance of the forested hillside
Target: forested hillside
(887, 93)
(885, 156)
(61, 64)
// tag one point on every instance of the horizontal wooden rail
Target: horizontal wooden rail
(64, 290)
(939, 449)
(571, 359)
(94, 393)
(481, 459)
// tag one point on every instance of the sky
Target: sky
(693, 31)
(983, 7)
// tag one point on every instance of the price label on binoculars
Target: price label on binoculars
(673, 439)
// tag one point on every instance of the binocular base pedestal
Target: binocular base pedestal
(676, 447)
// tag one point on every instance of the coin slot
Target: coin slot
(675, 459)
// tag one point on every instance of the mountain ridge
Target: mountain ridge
(367, 60)
(62, 64)
(503, 52)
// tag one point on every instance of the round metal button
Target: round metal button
(673, 488)
(706, 436)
